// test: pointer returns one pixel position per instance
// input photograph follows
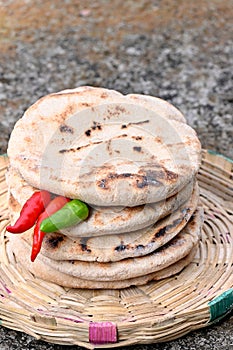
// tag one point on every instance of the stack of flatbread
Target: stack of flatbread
(133, 160)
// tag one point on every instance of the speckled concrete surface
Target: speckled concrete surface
(181, 51)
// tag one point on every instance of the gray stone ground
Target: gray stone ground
(181, 51)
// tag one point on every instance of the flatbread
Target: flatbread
(159, 105)
(173, 251)
(109, 150)
(103, 220)
(163, 108)
(120, 246)
(116, 247)
(116, 220)
(20, 259)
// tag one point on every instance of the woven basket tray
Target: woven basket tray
(159, 311)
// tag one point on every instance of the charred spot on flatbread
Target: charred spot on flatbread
(64, 128)
(121, 247)
(137, 148)
(105, 183)
(84, 246)
(88, 132)
(53, 241)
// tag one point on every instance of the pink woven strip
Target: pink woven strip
(102, 332)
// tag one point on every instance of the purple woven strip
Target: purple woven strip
(102, 332)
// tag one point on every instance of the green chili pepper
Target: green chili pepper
(70, 214)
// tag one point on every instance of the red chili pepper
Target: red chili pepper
(56, 204)
(30, 212)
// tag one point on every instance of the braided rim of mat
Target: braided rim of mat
(156, 312)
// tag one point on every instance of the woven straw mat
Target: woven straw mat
(158, 311)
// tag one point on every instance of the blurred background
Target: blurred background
(181, 51)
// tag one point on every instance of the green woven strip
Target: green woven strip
(221, 305)
(220, 155)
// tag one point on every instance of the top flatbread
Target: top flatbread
(105, 148)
